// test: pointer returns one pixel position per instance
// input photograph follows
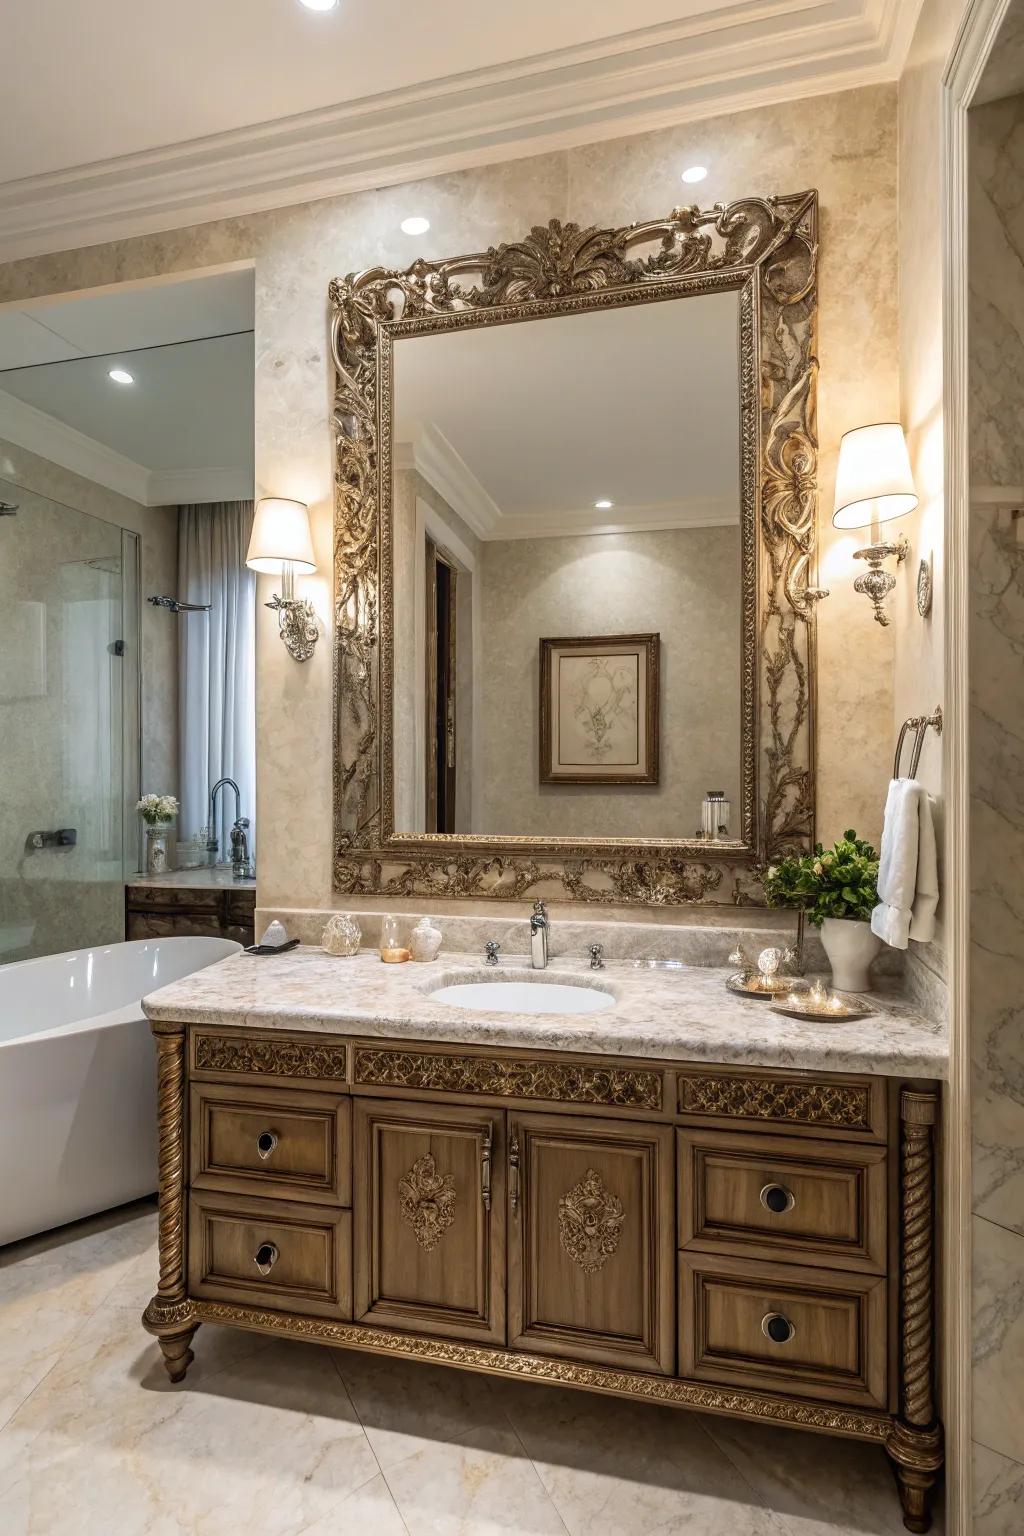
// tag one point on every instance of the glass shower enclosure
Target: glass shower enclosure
(69, 724)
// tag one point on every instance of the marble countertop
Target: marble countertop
(678, 1015)
(206, 879)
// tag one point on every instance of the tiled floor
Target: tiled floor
(269, 1438)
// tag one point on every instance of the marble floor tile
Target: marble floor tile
(52, 1284)
(482, 1484)
(405, 1406)
(272, 1437)
(819, 1487)
(635, 1469)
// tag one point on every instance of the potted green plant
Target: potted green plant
(838, 888)
(157, 811)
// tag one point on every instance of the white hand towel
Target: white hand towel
(908, 885)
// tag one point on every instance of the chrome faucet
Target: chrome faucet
(241, 866)
(539, 936)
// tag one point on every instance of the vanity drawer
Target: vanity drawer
(779, 1198)
(804, 1332)
(270, 1254)
(795, 1103)
(271, 1142)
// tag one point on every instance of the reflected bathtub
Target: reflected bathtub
(78, 1078)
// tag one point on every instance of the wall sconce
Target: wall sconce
(281, 543)
(873, 486)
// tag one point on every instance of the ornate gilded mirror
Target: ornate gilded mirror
(574, 561)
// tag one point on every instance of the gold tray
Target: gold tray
(763, 987)
(853, 1007)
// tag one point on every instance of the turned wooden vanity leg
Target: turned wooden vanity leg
(169, 1315)
(915, 1442)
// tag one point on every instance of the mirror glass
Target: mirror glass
(566, 556)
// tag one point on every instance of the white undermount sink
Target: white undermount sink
(514, 996)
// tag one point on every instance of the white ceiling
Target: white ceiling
(522, 428)
(182, 431)
(118, 118)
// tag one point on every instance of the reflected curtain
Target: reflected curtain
(216, 668)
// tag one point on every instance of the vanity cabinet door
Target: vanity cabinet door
(591, 1240)
(429, 1210)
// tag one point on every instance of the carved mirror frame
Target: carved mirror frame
(766, 250)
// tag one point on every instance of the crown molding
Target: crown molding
(184, 487)
(431, 455)
(52, 439)
(750, 54)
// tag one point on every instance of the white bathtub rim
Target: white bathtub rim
(130, 1012)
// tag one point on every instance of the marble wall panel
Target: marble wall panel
(996, 364)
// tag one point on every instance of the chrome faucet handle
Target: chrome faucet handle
(597, 957)
(491, 952)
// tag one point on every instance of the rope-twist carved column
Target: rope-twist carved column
(169, 1314)
(170, 1098)
(915, 1443)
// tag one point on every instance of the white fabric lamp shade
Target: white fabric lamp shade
(873, 478)
(280, 534)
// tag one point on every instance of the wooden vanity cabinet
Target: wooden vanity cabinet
(734, 1240)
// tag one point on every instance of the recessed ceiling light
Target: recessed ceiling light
(319, 5)
(415, 225)
(604, 506)
(694, 173)
(121, 376)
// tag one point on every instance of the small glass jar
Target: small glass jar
(392, 951)
(715, 812)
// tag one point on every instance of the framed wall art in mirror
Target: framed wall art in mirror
(607, 435)
(599, 709)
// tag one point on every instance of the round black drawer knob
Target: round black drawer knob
(777, 1328)
(266, 1141)
(265, 1257)
(777, 1199)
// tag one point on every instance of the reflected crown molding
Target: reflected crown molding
(427, 451)
(746, 55)
(50, 438)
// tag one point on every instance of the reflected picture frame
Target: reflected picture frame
(600, 709)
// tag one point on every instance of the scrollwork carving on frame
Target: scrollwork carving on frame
(766, 249)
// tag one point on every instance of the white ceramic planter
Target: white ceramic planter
(851, 947)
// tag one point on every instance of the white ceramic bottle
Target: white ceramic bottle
(426, 940)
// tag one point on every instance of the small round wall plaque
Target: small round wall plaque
(924, 588)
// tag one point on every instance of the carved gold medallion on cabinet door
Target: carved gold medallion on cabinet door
(427, 1201)
(590, 1220)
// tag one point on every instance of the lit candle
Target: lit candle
(835, 1003)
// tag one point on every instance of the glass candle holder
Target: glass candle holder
(391, 949)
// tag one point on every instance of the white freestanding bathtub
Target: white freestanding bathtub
(78, 1078)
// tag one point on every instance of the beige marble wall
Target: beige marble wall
(74, 897)
(685, 583)
(996, 340)
(843, 144)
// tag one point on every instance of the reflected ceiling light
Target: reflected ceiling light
(694, 173)
(415, 225)
(319, 5)
(604, 506)
(121, 376)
